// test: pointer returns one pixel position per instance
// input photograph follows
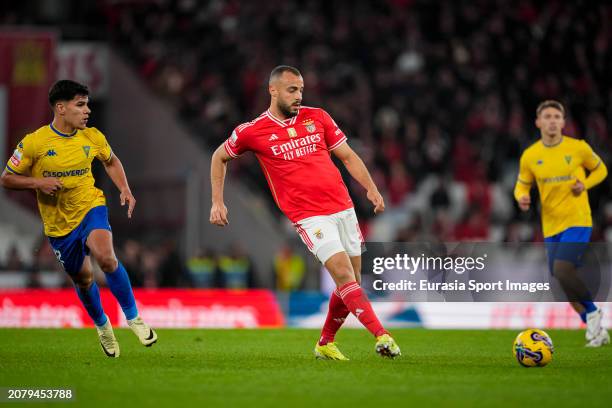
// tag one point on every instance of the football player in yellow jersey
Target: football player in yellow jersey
(55, 160)
(557, 164)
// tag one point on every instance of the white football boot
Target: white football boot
(596, 335)
(107, 339)
(145, 334)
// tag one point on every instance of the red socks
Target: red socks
(349, 297)
(335, 317)
(359, 305)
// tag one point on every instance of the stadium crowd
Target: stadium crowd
(456, 102)
(158, 264)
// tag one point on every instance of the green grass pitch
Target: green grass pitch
(264, 368)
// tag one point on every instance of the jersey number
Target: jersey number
(58, 255)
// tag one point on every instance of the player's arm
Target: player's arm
(598, 170)
(523, 185)
(116, 172)
(13, 181)
(16, 174)
(597, 175)
(359, 172)
(218, 169)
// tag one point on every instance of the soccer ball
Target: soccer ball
(533, 348)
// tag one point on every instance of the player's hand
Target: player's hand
(377, 200)
(127, 197)
(577, 187)
(218, 215)
(49, 185)
(524, 202)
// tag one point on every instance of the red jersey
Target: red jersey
(294, 155)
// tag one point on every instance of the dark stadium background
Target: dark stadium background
(437, 97)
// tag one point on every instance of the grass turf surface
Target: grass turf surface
(272, 367)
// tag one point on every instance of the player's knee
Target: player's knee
(83, 281)
(108, 263)
(564, 271)
(344, 275)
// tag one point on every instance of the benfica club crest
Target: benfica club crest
(310, 126)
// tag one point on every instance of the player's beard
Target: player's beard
(285, 109)
(554, 132)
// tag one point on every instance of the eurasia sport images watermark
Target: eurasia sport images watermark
(458, 265)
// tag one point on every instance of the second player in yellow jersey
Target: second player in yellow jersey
(47, 152)
(555, 168)
(558, 165)
(55, 161)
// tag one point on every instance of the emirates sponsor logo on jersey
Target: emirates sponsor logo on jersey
(297, 147)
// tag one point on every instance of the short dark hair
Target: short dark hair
(550, 103)
(278, 71)
(65, 90)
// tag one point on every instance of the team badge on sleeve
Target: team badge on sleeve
(233, 139)
(16, 157)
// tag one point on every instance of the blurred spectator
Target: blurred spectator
(131, 259)
(202, 269)
(443, 228)
(171, 269)
(13, 260)
(151, 260)
(440, 198)
(479, 196)
(474, 227)
(44, 258)
(399, 184)
(236, 269)
(289, 268)
(45, 261)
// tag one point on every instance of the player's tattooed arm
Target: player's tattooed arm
(359, 172)
(218, 169)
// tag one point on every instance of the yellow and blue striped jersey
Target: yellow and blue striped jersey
(50, 153)
(555, 169)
